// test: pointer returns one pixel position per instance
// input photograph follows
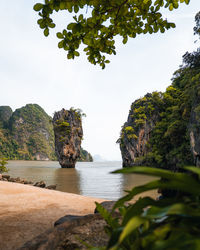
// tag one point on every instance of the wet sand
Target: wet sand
(27, 211)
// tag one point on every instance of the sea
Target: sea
(93, 179)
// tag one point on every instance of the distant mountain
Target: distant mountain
(27, 134)
(98, 158)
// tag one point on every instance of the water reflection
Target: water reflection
(88, 178)
(67, 180)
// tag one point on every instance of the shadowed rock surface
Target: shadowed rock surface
(66, 218)
(68, 135)
(70, 235)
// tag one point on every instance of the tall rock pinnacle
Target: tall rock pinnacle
(68, 135)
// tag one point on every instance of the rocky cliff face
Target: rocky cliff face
(194, 130)
(68, 135)
(136, 132)
(163, 129)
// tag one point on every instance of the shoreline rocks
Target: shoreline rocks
(41, 184)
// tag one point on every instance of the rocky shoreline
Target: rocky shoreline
(28, 211)
(41, 184)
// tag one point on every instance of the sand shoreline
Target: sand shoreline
(27, 211)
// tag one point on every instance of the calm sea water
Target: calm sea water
(88, 178)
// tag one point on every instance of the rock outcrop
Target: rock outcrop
(136, 132)
(75, 233)
(68, 136)
(41, 184)
(163, 129)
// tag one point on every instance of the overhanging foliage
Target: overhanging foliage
(98, 22)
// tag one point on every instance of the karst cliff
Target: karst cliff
(163, 129)
(136, 132)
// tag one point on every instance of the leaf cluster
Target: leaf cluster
(97, 28)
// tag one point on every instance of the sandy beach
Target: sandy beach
(27, 211)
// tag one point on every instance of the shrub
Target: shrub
(3, 163)
(167, 223)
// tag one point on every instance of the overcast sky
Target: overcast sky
(34, 70)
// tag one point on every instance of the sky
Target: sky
(34, 70)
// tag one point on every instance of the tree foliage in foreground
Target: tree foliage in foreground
(97, 23)
(148, 224)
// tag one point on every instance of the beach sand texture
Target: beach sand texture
(27, 211)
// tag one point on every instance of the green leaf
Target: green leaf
(114, 238)
(62, 5)
(80, 18)
(137, 208)
(178, 209)
(112, 222)
(60, 44)
(76, 53)
(171, 7)
(46, 32)
(38, 6)
(52, 25)
(173, 25)
(125, 40)
(76, 8)
(59, 35)
(132, 225)
(71, 26)
(194, 170)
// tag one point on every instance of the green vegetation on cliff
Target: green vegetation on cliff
(5, 114)
(168, 117)
(85, 156)
(27, 134)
